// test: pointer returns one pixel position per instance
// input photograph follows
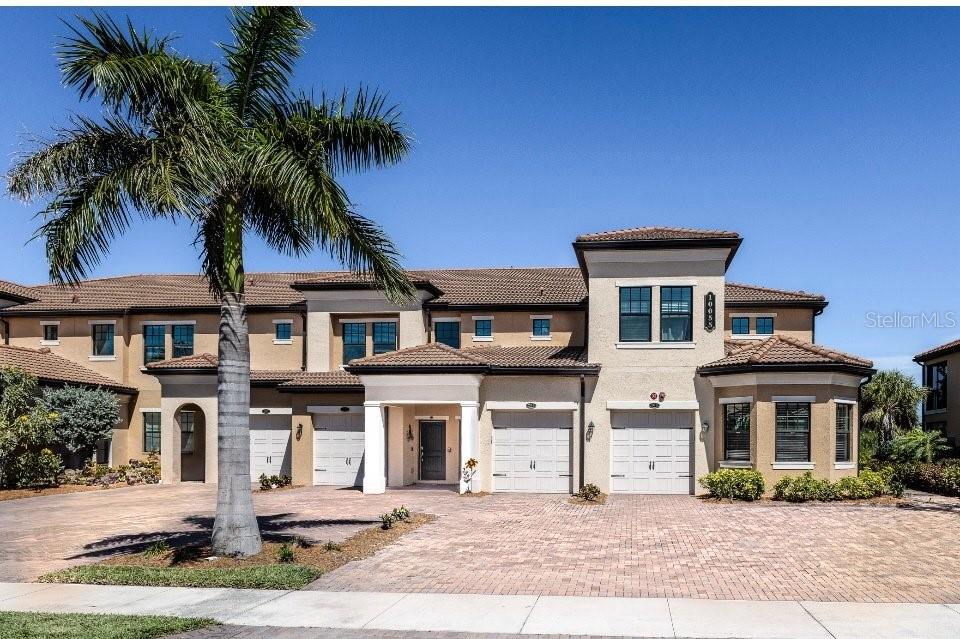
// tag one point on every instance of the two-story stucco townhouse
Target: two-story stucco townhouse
(638, 371)
(940, 408)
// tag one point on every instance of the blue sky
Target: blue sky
(830, 139)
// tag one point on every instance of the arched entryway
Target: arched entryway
(191, 425)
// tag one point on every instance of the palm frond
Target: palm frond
(295, 207)
(130, 70)
(267, 43)
(356, 133)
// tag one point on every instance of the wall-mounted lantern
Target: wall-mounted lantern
(299, 431)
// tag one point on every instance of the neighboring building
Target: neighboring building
(638, 371)
(941, 407)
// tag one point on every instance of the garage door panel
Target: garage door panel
(338, 449)
(650, 451)
(269, 445)
(532, 452)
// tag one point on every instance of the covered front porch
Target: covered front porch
(420, 429)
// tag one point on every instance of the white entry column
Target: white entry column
(469, 440)
(374, 440)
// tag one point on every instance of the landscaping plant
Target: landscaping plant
(589, 492)
(868, 484)
(889, 404)
(734, 483)
(285, 554)
(387, 520)
(26, 432)
(918, 445)
(230, 150)
(87, 415)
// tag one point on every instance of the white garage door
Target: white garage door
(650, 452)
(338, 449)
(269, 445)
(531, 452)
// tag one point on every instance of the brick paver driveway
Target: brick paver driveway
(637, 546)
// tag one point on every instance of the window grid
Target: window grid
(151, 432)
(448, 333)
(186, 431)
(736, 432)
(483, 328)
(740, 325)
(764, 326)
(635, 309)
(384, 337)
(541, 327)
(283, 331)
(843, 432)
(154, 348)
(793, 432)
(103, 340)
(51, 332)
(935, 378)
(182, 340)
(354, 341)
(676, 314)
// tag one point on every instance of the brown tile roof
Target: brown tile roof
(329, 380)
(480, 359)
(208, 363)
(748, 294)
(547, 286)
(14, 291)
(938, 351)
(52, 368)
(657, 233)
(782, 352)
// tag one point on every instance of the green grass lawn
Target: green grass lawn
(34, 625)
(276, 576)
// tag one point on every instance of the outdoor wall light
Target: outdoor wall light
(409, 433)
(704, 427)
(299, 431)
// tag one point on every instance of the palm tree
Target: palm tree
(231, 150)
(890, 401)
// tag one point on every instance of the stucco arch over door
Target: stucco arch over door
(190, 423)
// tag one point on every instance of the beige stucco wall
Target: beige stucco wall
(406, 419)
(301, 450)
(515, 328)
(632, 374)
(823, 427)
(792, 322)
(336, 334)
(951, 413)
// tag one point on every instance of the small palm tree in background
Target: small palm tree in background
(891, 401)
(231, 150)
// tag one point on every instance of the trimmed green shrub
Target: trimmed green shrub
(35, 469)
(868, 484)
(589, 492)
(734, 483)
(803, 487)
(852, 488)
(942, 477)
(918, 445)
(285, 554)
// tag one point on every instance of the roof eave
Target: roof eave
(811, 304)
(853, 369)
(439, 305)
(286, 387)
(732, 243)
(413, 369)
(423, 285)
(936, 354)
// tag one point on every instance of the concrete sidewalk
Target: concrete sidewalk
(501, 614)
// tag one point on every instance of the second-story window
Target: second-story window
(154, 348)
(354, 341)
(182, 340)
(635, 314)
(483, 328)
(102, 340)
(740, 325)
(51, 333)
(282, 331)
(676, 313)
(448, 333)
(764, 326)
(541, 327)
(384, 337)
(935, 378)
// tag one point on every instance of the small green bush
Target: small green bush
(400, 514)
(802, 488)
(36, 469)
(157, 548)
(285, 554)
(734, 483)
(589, 492)
(332, 546)
(387, 520)
(918, 445)
(852, 488)
(942, 477)
(265, 483)
(868, 484)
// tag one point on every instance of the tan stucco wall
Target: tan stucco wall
(301, 450)
(952, 413)
(823, 428)
(516, 328)
(632, 374)
(412, 414)
(792, 322)
(336, 335)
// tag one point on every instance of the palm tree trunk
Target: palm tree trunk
(235, 529)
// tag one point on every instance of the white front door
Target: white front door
(338, 449)
(650, 452)
(532, 451)
(269, 445)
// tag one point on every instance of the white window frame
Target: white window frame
(655, 284)
(49, 342)
(103, 358)
(282, 341)
(482, 338)
(541, 338)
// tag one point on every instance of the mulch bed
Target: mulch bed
(579, 501)
(63, 489)
(322, 556)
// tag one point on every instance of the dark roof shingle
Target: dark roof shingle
(205, 362)
(49, 367)
(748, 294)
(17, 292)
(938, 351)
(641, 233)
(479, 359)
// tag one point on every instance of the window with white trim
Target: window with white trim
(182, 335)
(740, 325)
(541, 327)
(151, 431)
(51, 332)
(764, 325)
(793, 432)
(736, 432)
(154, 347)
(635, 307)
(844, 413)
(187, 427)
(676, 313)
(483, 327)
(354, 341)
(447, 333)
(384, 337)
(102, 339)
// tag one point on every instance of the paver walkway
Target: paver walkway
(635, 546)
(498, 614)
